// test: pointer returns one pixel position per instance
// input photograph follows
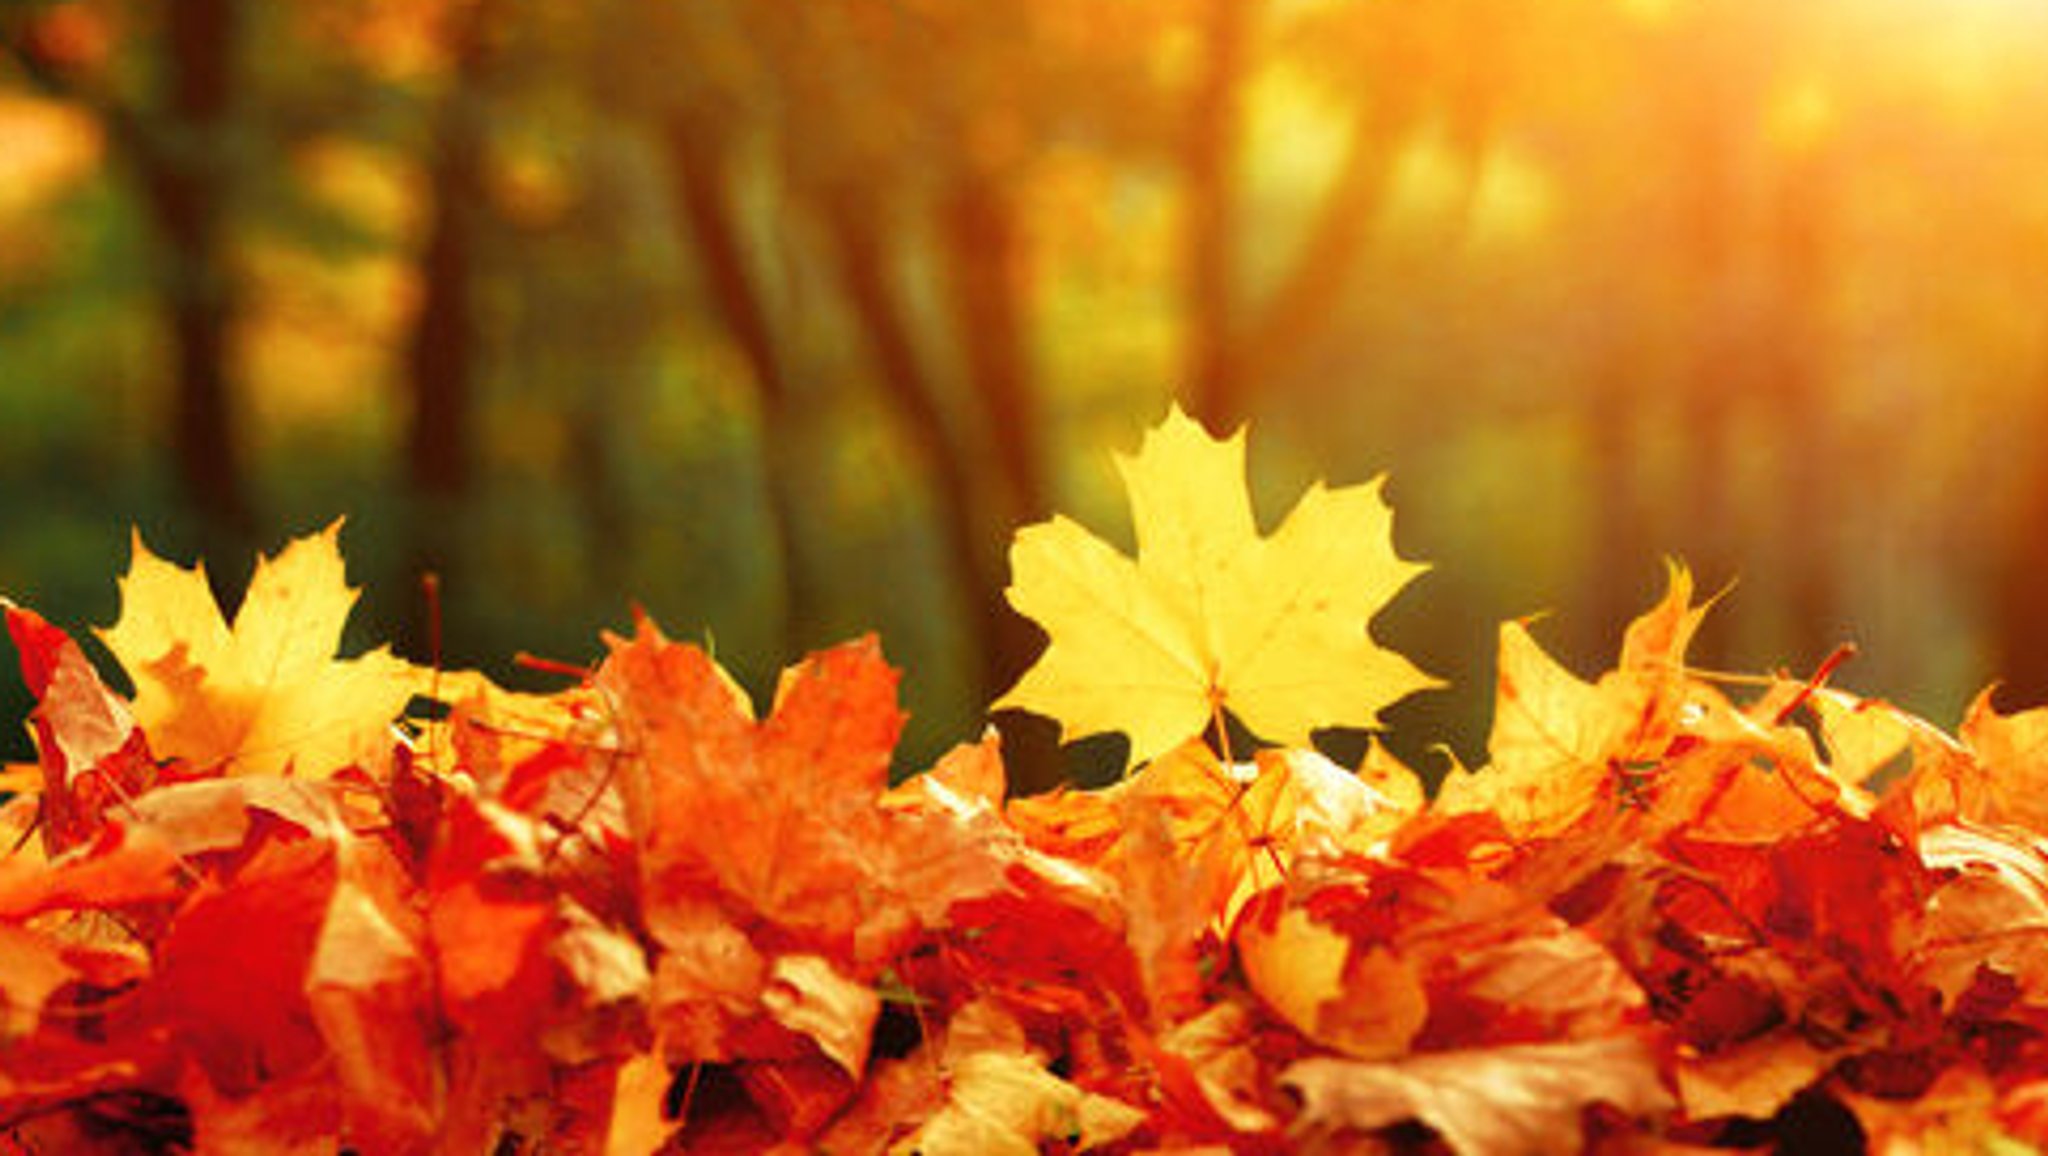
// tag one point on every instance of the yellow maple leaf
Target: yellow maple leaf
(1211, 615)
(266, 694)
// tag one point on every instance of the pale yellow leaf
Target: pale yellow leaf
(1008, 1104)
(1514, 1100)
(809, 995)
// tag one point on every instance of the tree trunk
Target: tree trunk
(986, 258)
(1791, 361)
(1713, 375)
(856, 228)
(178, 155)
(1213, 137)
(185, 182)
(701, 178)
(1233, 342)
(441, 356)
(1002, 642)
(1621, 558)
(1300, 308)
(701, 188)
(2019, 625)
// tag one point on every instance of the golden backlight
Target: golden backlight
(784, 315)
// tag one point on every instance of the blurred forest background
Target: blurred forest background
(778, 317)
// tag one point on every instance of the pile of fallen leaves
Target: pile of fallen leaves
(273, 903)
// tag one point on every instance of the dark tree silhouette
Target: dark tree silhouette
(175, 145)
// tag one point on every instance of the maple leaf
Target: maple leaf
(1211, 615)
(1556, 739)
(123, 864)
(809, 995)
(1958, 1112)
(90, 752)
(1214, 1050)
(1167, 903)
(1988, 907)
(1863, 735)
(1008, 1103)
(637, 1123)
(2001, 779)
(1754, 1078)
(1370, 1003)
(1000, 1099)
(782, 814)
(266, 694)
(1515, 1100)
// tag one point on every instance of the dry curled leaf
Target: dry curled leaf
(1516, 1100)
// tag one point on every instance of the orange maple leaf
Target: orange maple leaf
(781, 814)
(1557, 740)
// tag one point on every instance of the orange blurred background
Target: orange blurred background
(779, 317)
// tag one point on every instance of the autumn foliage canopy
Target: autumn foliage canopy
(280, 901)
